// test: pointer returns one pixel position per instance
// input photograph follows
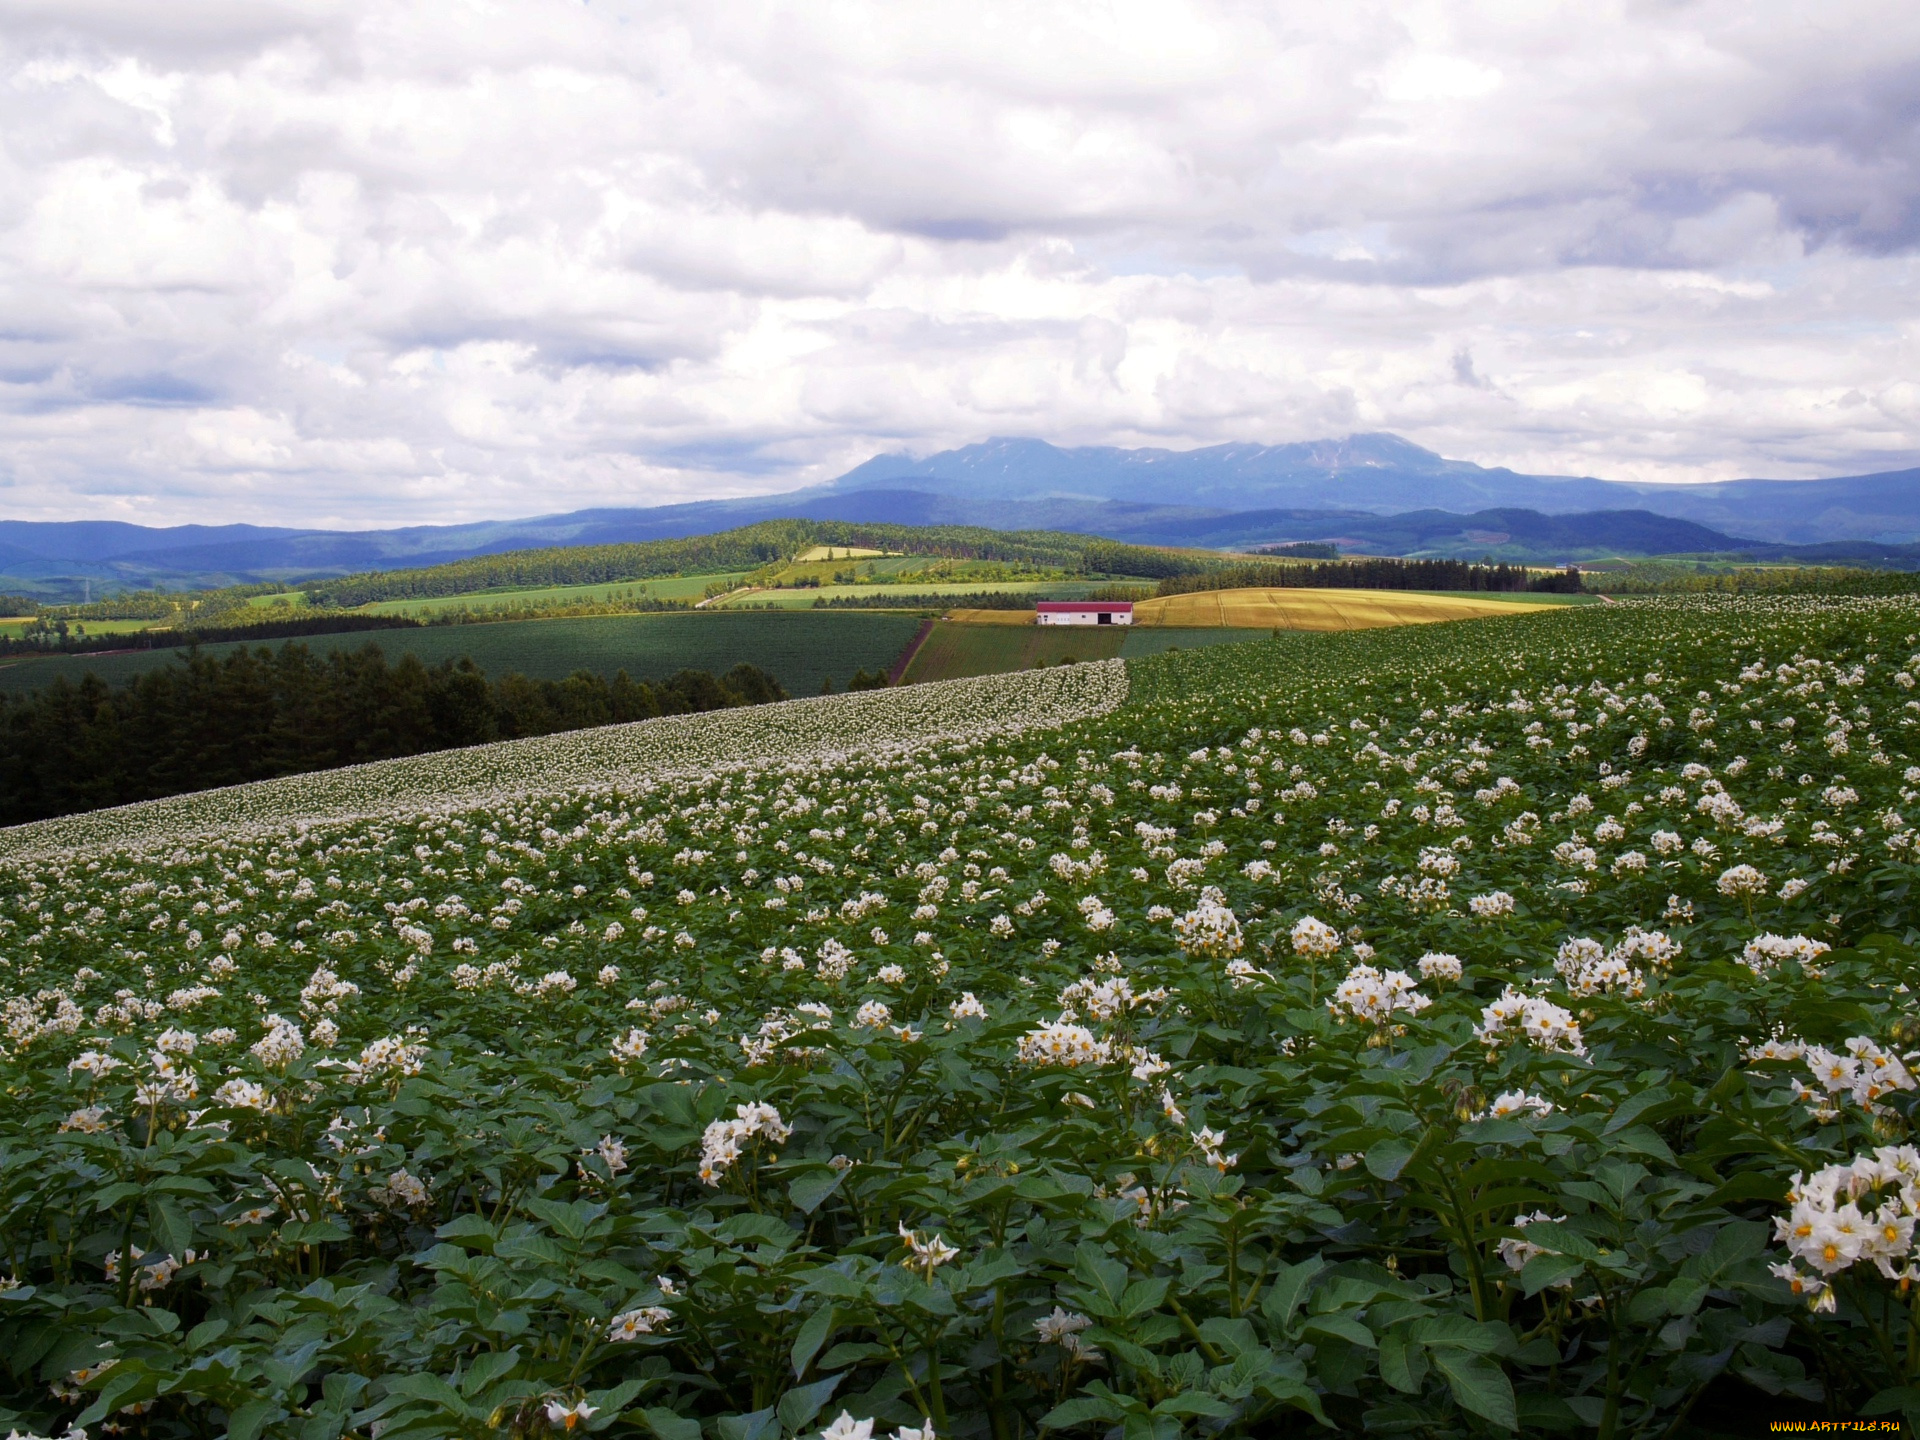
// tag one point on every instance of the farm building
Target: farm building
(1084, 612)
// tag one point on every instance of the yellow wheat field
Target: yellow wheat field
(1317, 609)
(991, 617)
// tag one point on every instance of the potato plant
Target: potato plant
(1468, 1029)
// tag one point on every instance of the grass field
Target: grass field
(802, 650)
(17, 626)
(1317, 609)
(1512, 597)
(803, 599)
(1145, 640)
(957, 650)
(678, 587)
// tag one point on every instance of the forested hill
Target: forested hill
(746, 548)
(256, 714)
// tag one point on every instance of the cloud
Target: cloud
(379, 263)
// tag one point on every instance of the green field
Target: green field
(908, 592)
(1411, 1031)
(14, 628)
(678, 587)
(1404, 1031)
(1145, 640)
(1514, 597)
(956, 651)
(802, 650)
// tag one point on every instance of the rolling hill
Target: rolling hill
(1379, 492)
(1383, 474)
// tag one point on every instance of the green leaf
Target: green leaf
(251, 1418)
(486, 1369)
(1127, 1351)
(1479, 1386)
(1249, 1369)
(1543, 1271)
(1458, 1332)
(1081, 1409)
(127, 1383)
(570, 1219)
(1727, 1086)
(989, 1270)
(1552, 1236)
(1288, 1290)
(1232, 1337)
(1635, 1107)
(432, 1389)
(540, 1249)
(313, 1232)
(760, 1425)
(764, 1228)
(1900, 1397)
(1141, 1297)
(1388, 1158)
(1194, 1402)
(158, 1321)
(1641, 1140)
(1546, 1412)
(809, 1189)
(1750, 1185)
(1185, 1370)
(470, 1227)
(1734, 1242)
(1298, 1394)
(112, 1195)
(1104, 1277)
(802, 1403)
(287, 1369)
(1685, 1294)
(669, 1425)
(815, 1333)
(1339, 1327)
(1622, 1177)
(837, 1283)
(1403, 1364)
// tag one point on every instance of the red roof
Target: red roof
(1112, 606)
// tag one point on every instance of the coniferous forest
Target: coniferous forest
(258, 714)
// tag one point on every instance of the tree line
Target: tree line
(61, 636)
(256, 714)
(1668, 578)
(1375, 574)
(746, 548)
(1112, 557)
(904, 599)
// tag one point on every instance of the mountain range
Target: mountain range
(1377, 493)
(1384, 474)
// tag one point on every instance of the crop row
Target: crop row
(1464, 1029)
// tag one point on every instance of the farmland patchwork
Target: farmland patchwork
(1464, 1028)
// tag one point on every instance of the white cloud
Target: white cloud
(372, 263)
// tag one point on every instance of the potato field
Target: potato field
(802, 651)
(1479, 1028)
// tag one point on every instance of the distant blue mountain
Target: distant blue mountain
(1385, 474)
(1223, 495)
(1362, 472)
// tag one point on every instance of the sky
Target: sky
(349, 263)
